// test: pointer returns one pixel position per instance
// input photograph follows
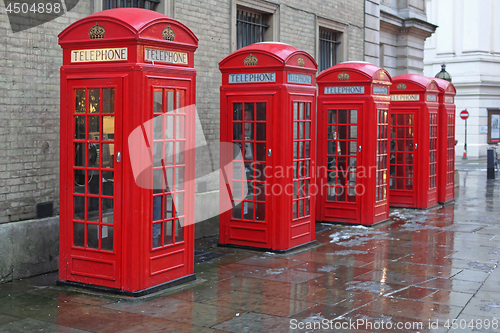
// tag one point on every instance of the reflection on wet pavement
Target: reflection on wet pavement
(427, 266)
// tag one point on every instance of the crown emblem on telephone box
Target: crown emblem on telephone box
(343, 76)
(401, 86)
(301, 62)
(97, 31)
(251, 60)
(168, 34)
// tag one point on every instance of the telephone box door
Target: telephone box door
(93, 176)
(403, 173)
(250, 130)
(341, 159)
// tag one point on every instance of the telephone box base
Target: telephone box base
(260, 249)
(137, 293)
(447, 203)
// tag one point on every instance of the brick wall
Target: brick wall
(29, 115)
(29, 87)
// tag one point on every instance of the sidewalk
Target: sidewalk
(426, 267)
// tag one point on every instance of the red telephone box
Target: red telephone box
(268, 103)
(127, 133)
(446, 141)
(353, 111)
(414, 128)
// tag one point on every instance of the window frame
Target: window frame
(342, 31)
(492, 111)
(258, 6)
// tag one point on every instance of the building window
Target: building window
(328, 44)
(146, 4)
(251, 27)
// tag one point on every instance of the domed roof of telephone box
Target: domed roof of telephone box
(121, 24)
(268, 54)
(414, 81)
(356, 71)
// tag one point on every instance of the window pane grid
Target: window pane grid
(450, 150)
(250, 28)
(381, 181)
(432, 150)
(249, 133)
(327, 49)
(93, 169)
(169, 165)
(342, 155)
(301, 160)
(402, 145)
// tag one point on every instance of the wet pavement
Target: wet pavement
(428, 271)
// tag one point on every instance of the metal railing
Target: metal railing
(250, 28)
(327, 49)
(146, 4)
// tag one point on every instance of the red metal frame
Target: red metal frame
(446, 141)
(133, 264)
(289, 105)
(414, 142)
(352, 153)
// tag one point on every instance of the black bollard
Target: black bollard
(490, 163)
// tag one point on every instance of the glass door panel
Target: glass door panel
(402, 152)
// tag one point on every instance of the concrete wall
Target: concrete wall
(28, 248)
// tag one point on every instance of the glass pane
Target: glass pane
(308, 130)
(107, 238)
(108, 183)
(108, 150)
(167, 239)
(158, 180)
(93, 209)
(108, 103)
(181, 127)
(301, 130)
(249, 111)
(353, 132)
(342, 116)
(93, 236)
(169, 127)
(158, 101)
(295, 111)
(353, 117)
(261, 131)
(170, 101)
(261, 111)
(260, 211)
(169, 211)
(80, 100)
(400, 120)
(94, 128)
(79, 234)
(80, 154)
(237, 210)
(260, 191)
(261, 151)
(301, 208)
(158, 127)
(80, 127)
(237, 131)
(238, 111)
(294, 209)
(107, 211)
(179, 204)
(79, 181)
(179, 230)
(179, 178)
(332, 116)
(108, 128)
(308, 149)
(249, 131)
(295, 130)
(260, 171)
(308, 111)
(301, 111)
(352, 147)
(156, 235)
(169, 179)
(180, 99)
(157, 154)
(179, 152)
(157, 208)
(342, 133)
(78, 212)
(94, 100)
(247, 210)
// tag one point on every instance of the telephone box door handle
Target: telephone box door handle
(269, 152)
(416, 146)
(359, 149)
(118, 157)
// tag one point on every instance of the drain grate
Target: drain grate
(203, 256)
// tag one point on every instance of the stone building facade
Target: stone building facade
(386, 33)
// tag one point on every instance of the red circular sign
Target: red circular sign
(464, 114)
